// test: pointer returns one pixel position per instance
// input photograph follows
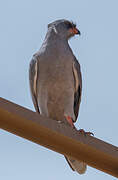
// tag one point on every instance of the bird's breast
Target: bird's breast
(55, 88)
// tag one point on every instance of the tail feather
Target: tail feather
(75, 165)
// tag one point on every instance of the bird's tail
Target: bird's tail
(75, 165)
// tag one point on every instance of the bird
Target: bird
(56, 81)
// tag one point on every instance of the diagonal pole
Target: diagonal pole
(58, 137)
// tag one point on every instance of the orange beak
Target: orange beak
(75, 31)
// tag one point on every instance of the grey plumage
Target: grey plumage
(55, 78)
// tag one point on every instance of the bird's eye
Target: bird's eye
(69, 25)
(74, 25)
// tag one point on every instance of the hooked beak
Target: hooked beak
(75, 31)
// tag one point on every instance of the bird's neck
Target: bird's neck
(53, 38)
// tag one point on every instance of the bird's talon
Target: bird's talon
(85, 133)
(89, 133)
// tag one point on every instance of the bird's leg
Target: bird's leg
(81, 131)
(85, 133)
(70, 121)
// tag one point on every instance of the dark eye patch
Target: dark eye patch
(73, 24)
(70, 25)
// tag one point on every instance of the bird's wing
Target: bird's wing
(78, 86)
(33, 72)
(75, 165)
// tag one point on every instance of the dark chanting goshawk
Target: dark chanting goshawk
(55, 79)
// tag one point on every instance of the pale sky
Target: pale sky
(23, 25)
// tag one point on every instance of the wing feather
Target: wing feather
(33, 72)
(78, 86)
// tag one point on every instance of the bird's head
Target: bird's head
(64, 28)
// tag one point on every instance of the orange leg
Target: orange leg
(70, 121)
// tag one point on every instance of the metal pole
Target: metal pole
(58, 137)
